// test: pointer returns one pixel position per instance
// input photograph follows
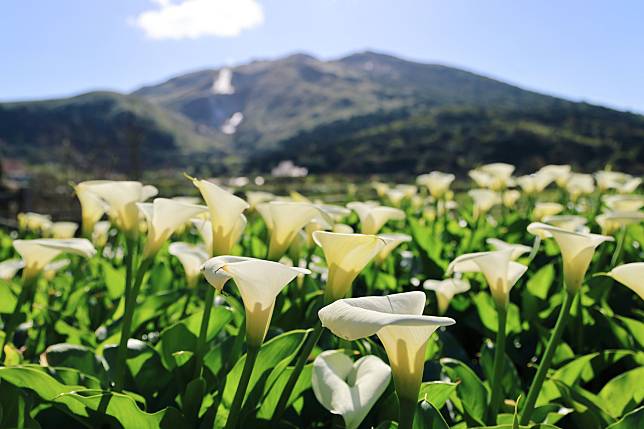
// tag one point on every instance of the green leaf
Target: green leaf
(192, 397)
(436, 392)
(87, 403)
(428, 417)
(273, 357)
(7, 298)
(632, 420)
(539, 284)
(114, 279)
(273, 396)
(624, 392)
(470, 390)
(77, 357)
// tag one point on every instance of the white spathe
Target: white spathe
(517, 249)
(36, 254)
(446, 290)
(346, 388)
(576, 248)
(391, 242)
(192, 257)
(373, 217)
(437, 182)
(399, 323)
(10, 267)
(631, 276)
(164, 216)
(500, 271)
(259, 282)
(92, 207)
(226, 216)
(346, 255)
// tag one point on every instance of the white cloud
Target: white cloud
(191, 19)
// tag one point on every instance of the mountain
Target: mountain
(364, 113)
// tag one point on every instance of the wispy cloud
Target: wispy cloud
(191, 19)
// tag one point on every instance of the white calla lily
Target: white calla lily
(580, 184)
(100, 233)
(342, 228)
(517, 249)
(630, 275)
(535, 183)
(346, 255)
(34, 222)
(346, 388)
(10, 267)
(498, 268)
(570, 222)
(612, 180)
(611, 222)
(373, 217)
(510, 197)
(192, 257)
(255, 198)
(446, 290)
(121, 198)
(163, 217)
(92, 207)
(63, 229)
(226, 216)
(36, 254)
(545, 209)
(437, 183)
(391, 242)
(560, 173)
(399, 323)
(284, 220)
(484, 200)
(576, 248)
(624, 203)
(259, 282)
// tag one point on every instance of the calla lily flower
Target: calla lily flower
(622, 182)
(517, 249)
(624, 203)
(346, 255)
(391, 242)
(500, 271)
(121, 198)
(10, 267)
(542, 210)
(191, 257)
(534, 183)
(510, 197)
(63, 229)
(437, 183)
(445, 290)
(36, 254)
(576, 248)
(611, 222)
(496, 176)
(34, 222)
(570, 222)
(259, 282)
(50, 270)
(342, 228)
(284, 221)
(373, 217)
(399, 323)
(380, 188)
(560, 173)
(580, 184)
(256, 198)
(484, 200)
(163, 217)
(92, 207)
(347, 388)
(631, 276)
(100, 233)
(226, 216)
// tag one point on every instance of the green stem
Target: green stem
(311, 341)
(14, 319)
(540, 377)
(203, 331)
(497, 372)
(619, 248)
(535, 248)
(406, 413)
(130, 305)
(475, 227)
(235, 407)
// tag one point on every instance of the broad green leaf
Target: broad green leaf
(539, 284)
(428, 417)
(7, 298)
(470, 390)
(624, 392)
(632, 420)
(436, 392)
(271, 399)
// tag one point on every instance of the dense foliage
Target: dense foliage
(186, 361)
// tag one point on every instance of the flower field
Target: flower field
(507, 301)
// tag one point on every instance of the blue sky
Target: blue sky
(583, 50)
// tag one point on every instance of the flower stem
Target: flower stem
(28, 284)
(311, 341)
(539, 378)
(203, 331)
(235, 407)
(406, 412)
(130, 305)
(619, 248)
(497, 372)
